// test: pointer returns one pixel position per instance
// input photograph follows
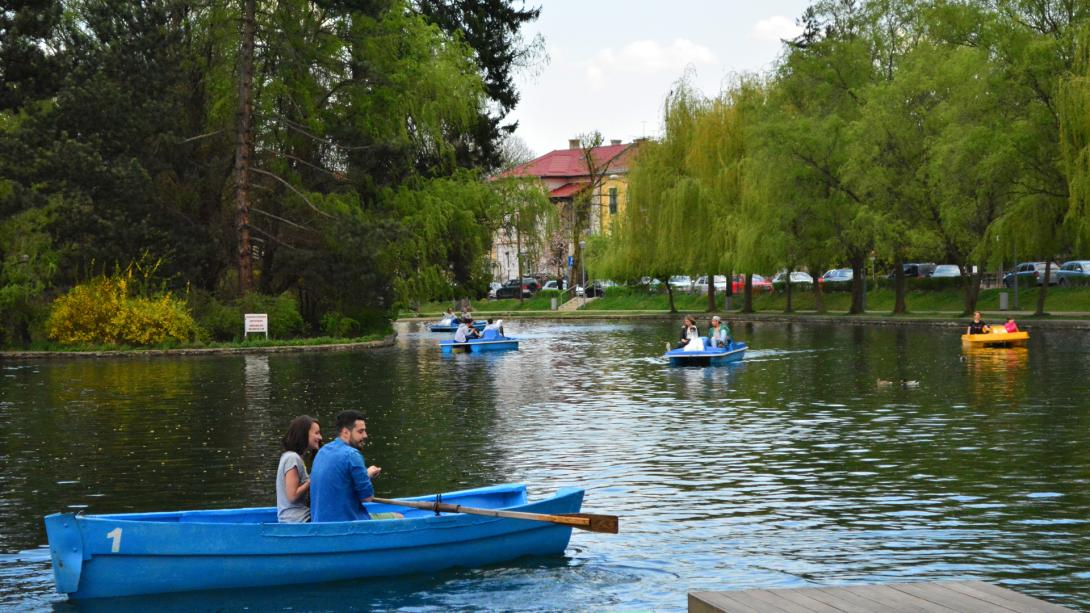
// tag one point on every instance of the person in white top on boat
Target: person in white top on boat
(448, 317)
(690, 337)
(466, 331)
(496, 325)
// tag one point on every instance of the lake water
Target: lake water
(792, 468)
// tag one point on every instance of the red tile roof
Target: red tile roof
(569, 189)
(570, 162)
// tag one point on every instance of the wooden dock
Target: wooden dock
(941, 597)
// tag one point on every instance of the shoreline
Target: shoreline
(936, 319)
(388, 341)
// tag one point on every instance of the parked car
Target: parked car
(493, 287)
(1075, 270)
(797, 278)
(598, 288)
(681, 283)
(946, 271)
(511, 289)
(916, 269)
(738, 284)
(551, 284)
(837, 275)
(1031, 273)
(700, 286)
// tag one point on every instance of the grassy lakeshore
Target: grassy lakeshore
(1067, 302)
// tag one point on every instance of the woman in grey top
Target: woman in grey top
(292, 481)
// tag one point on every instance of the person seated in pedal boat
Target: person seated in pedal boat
(303, 437)
(466, 331)
(448, 317)
(718, 333)
(977, 326)
(1010, 326)
(690, 337)
(496, 325)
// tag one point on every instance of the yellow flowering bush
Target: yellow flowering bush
(102, 312)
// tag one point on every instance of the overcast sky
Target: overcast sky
(612, 62)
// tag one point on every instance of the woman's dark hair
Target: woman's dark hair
(297, 438)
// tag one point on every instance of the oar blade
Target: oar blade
(609, 524)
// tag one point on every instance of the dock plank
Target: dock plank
(933, 597)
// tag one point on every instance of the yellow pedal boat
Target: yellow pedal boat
(995, 339)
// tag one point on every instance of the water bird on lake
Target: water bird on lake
(903, 383)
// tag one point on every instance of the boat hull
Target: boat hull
(994, 339)
(131, 554)
(479, 346)
(709, 357)
(479, 325)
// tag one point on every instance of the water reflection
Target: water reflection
(791, 468)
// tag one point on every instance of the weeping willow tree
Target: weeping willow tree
(736, 214)
(1074, 106)
(686, 210)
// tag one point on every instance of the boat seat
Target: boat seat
(491, 335)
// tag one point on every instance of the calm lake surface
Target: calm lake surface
(793, 468)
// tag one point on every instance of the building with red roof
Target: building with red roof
(567, 176)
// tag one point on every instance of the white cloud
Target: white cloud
(775, 28)
(646, 57)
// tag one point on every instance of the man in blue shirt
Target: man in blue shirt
(339, 482)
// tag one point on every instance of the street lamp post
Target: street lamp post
(583, 266)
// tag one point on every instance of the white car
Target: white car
(701, 284)
(681, 283)
(797, 277)
(492, 287)
(947, 271)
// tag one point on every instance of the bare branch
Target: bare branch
(199, 137)
(292, 188)
(278, 218)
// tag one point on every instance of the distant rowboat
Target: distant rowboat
(102, 556)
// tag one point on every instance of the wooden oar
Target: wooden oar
(583, 521)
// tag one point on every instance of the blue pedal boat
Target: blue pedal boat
(710, 356)
(492, 340)
(441, 327)
(103, 556)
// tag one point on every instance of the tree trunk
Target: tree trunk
(899, 307)
(747, 305)
(819, 297)
(244, 147)
(670, 294)
(857, 285)
(729, 290)
(789, 308)
(972, 291)
(1044, 290)
(711, 293)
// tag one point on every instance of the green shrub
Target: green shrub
(223, 321)
(339, 326)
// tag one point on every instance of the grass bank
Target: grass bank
(1060, 301)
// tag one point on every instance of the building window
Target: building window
(613, 201)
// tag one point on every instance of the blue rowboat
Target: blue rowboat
(103, 556)
(711, 356)
(479, 325)
(480, 345)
